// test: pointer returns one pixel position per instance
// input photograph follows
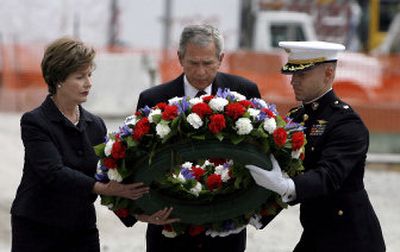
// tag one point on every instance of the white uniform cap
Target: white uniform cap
(304, 55)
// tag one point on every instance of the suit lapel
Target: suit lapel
(179, 89)
(216, 84)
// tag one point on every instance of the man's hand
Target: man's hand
(158, 218)
(273, 180)
(130, 191)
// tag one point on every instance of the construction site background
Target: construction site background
(369, 82)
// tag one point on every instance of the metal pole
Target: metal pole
(167, 22)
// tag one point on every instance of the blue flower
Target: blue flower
(183, 106)
(187, 174)
(145, 111)
(125, 131)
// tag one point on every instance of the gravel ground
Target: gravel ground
(281, 235)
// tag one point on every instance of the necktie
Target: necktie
(200, 93)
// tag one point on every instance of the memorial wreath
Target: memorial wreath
(192, 153)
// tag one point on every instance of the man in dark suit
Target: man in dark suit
(335, 211)
(200, 54)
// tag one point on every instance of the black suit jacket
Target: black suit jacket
(60, 163)
(155, 240)
(164, 92)
(335, 211)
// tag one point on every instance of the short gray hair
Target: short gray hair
(201, 35)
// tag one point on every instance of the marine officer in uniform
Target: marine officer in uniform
(335, 211)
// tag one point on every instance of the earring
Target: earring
(59, 85)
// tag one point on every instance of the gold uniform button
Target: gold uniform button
(340, 212)
(305, 117)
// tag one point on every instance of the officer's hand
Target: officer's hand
(272, 180)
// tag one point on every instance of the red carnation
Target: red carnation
(297, 140)
(235, 110)
(280, 137)
(217, 123)
(118, 150)
(195, 230)
(269, 113)
(170, 112)
(201, 109)
(197, 172)
(246, 103)
(142, 127)
(217, 161)
(110, 163)
(214, 181)
(207, 98)
(168, 228)
(122, 212)
(161, 105)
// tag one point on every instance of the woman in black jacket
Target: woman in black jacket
(53, 209)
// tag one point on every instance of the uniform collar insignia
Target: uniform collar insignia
(314, 105)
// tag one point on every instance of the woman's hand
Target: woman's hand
(158, 218)
(130, 191)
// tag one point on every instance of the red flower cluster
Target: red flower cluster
(118, 150)
(202, 109)
(122, 212)
(217, 123)
(246, 103)
(197, 172)
(208, 98)
(214, 181)
(142, 127)
(297, 140)
(161, 105)
(268, 112)
(169, 113)
(195, 230)
(217, 161)
(110, 163)
(280, 137)
(235, 110)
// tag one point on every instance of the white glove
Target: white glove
(274, 180)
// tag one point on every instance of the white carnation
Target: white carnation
(174, 100)
(243, 126)
(179, 177)
(131, 120)
(187, 165)
(152, 113)
(224, 172)
(262, 103)
(269, 125)
(162, 130)
(114, 175)
(206, 163)
(255, 221)
(214, 233)
(195, 100)
(253, 112)
(108, 148)
(238, 97)
(169, 234)
(196, 189)
(296, 153)
(218, 104)
(194, 120)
